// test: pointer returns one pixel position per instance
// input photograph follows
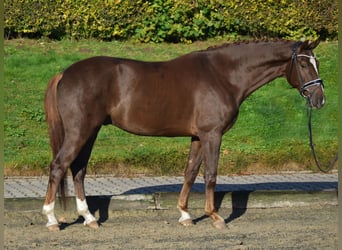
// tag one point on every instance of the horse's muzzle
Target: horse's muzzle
(313, 91)
(316, 100)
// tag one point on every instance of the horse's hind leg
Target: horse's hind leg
(78, 170)
(191, 172)
(58, 168)
(49, 204)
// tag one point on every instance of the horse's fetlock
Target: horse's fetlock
(48, 208)
(82, 209)
(185, 216)
(82, 206)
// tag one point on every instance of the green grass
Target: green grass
(271, 131)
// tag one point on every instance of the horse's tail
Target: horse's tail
(55, 124)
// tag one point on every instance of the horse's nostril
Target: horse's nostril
(320, 104)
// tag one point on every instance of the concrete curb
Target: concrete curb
(164, 201)
(35, 187)
(106, 193)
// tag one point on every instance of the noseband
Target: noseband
(304, 86)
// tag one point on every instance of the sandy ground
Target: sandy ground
(299, 227)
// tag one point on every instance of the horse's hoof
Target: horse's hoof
(187, 222)
(93, 224)
(219, 224)
(53, 228)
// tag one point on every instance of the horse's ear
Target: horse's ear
(304, 45)
(309, 45)
(313, 44)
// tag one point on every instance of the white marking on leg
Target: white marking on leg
(82, 209)
(184, 216)
(48, 210)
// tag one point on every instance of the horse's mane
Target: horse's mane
(245, 42)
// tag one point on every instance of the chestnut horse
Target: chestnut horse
(196, 95)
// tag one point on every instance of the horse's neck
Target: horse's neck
(258, 66)
(260, 74)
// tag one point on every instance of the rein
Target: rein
(304, 87)
(312, 146)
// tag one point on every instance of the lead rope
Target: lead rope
(312, 146)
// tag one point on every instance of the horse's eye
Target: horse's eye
(303, 65)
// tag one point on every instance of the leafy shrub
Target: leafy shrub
(169, 20)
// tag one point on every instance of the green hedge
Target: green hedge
(170, 20)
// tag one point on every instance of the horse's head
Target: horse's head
(303, 74)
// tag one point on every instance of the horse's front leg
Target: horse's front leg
(194, 162)
(211, 150)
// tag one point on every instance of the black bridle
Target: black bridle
(304, 86)
(303, 90)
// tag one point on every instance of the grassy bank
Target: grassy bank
(270, 134)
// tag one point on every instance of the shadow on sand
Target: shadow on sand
(239, 198)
